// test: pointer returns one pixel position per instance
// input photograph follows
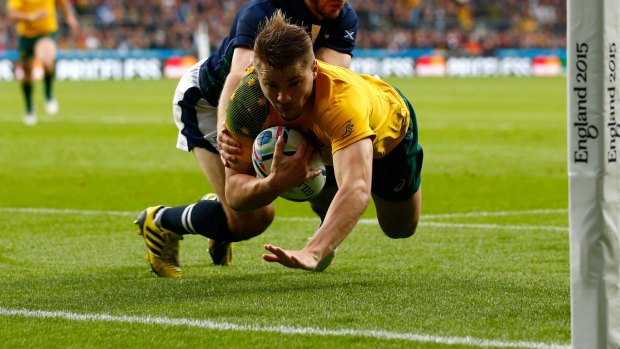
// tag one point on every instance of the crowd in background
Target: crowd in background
(469, 27)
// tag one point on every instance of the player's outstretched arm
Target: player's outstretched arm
(353, 167)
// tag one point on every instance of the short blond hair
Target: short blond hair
(280, 44)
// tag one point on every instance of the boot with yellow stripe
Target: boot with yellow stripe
(162, 244)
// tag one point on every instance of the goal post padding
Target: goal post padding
(593, 49)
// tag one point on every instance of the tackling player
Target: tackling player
(199, 108)
(361, 125)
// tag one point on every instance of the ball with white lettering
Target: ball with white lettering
(262, 155)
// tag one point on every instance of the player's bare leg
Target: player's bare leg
(45, 51)
(399, 220)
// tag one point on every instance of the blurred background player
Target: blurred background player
(199, 108)
(361, 125)
(37, 26)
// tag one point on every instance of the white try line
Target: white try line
(64, 211)
(368, 221)
(425, 223)
(493, 226)
(281, 329)
(103, 120)
(499, 213)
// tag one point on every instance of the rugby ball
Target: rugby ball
(262, 155)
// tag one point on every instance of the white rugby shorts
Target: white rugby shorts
(195, 118)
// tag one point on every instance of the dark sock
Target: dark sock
(27, 91)
(205, 217)
(48, 78)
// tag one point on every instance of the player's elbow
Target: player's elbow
(364, 197)
(236, 201)
(240, 199)
(233, 197)
(242, 204)
(360, 194)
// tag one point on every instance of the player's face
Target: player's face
(287, 89)
(327, 8)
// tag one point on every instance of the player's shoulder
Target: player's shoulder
(337, 73)
(341, 88)
(256, 11)
(249, 86)
(348, 14)
(248, 108)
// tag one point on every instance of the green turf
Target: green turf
(71, 186)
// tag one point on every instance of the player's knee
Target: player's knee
(27, 69)
(45, 51)
(251, 225)
(399, 230)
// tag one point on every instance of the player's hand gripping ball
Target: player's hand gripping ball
(262, 155)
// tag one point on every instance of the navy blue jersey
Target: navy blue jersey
(337, 34)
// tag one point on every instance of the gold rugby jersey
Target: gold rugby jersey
(31, 29)
(345, 107)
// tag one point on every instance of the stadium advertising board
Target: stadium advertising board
(170, 64)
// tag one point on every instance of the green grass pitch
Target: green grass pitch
(488, 267)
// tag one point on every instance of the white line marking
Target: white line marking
(67, 211)
(110, 120)
(282, 329)
(500, 213)
(368, 221)
(423, 223)
(493, 226)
